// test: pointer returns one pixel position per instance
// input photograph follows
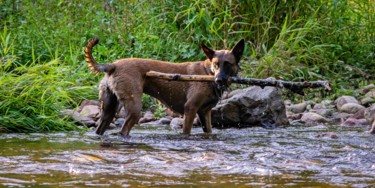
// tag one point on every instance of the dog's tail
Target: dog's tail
(94, 67)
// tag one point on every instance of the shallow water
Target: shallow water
(159, 156)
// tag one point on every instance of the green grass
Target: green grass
(42, 68)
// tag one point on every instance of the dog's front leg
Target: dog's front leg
(189, 115)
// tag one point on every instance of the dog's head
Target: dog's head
(225, 63)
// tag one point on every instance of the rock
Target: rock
(326, 102)
(319, 106)
(86, 103)
(313, 118)
(359, 115)
(177, 123)
(370, 94)
(147, 117)
(85, 120)
(323, 112)
(287, 102)
(370, 115)
(372, 131)
(112, 126)
(354, 122)
(292, 116)
(297, 108)
(328, 135)
(170, 113)
(165, 121)
(119, 122)
(121, 113)
(252, 106)
(351, 108)
(366, 89)
(366, 101)
(296, 123)
(344, 100)
(90, 111)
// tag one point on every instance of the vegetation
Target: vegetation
(42, 68)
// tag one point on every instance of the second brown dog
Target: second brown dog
(125, 81)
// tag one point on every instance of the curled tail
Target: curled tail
(94, 67)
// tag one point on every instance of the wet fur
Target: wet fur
(125, 82)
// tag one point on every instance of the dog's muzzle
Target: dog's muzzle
(222, 82)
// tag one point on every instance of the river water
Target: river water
(308, 156)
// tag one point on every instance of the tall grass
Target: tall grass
(41, 45)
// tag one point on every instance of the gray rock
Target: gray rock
(328, 135)
(326, 102)
(84, 120)
(344, 100)
(177, 123)
(351, 108)
(370, 117)
(296, 123)
(165, 121)
(313, 118)
(340, 117)
(121, 113)
(297, 108)
(323, 112)
(147, 117)
(90, 111)
(372, 131)
(287, 102)
(86, 103)
(119, 122)
(370, 93)
(252, 106)
(293, 116)
(366, 89)
(366, 101)
(354, 122)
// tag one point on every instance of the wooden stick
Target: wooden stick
(296, 87)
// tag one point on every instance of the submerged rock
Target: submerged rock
(248, 107)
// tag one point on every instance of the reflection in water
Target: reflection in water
(293, 156)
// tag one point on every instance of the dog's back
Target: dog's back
(130, 74)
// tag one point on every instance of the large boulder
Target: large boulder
(249, 107)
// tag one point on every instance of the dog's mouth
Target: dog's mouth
(222, 83)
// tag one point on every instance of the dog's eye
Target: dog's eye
(216, 65)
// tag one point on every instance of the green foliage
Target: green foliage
(290, 40)
(33, 96)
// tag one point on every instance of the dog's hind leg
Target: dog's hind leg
(205, 120)
(133, 107)
(109, 106)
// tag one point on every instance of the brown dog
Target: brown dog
(125, 81)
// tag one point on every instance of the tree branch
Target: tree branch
(296, 87)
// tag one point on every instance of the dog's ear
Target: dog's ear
(209, 53)
(237, 50)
